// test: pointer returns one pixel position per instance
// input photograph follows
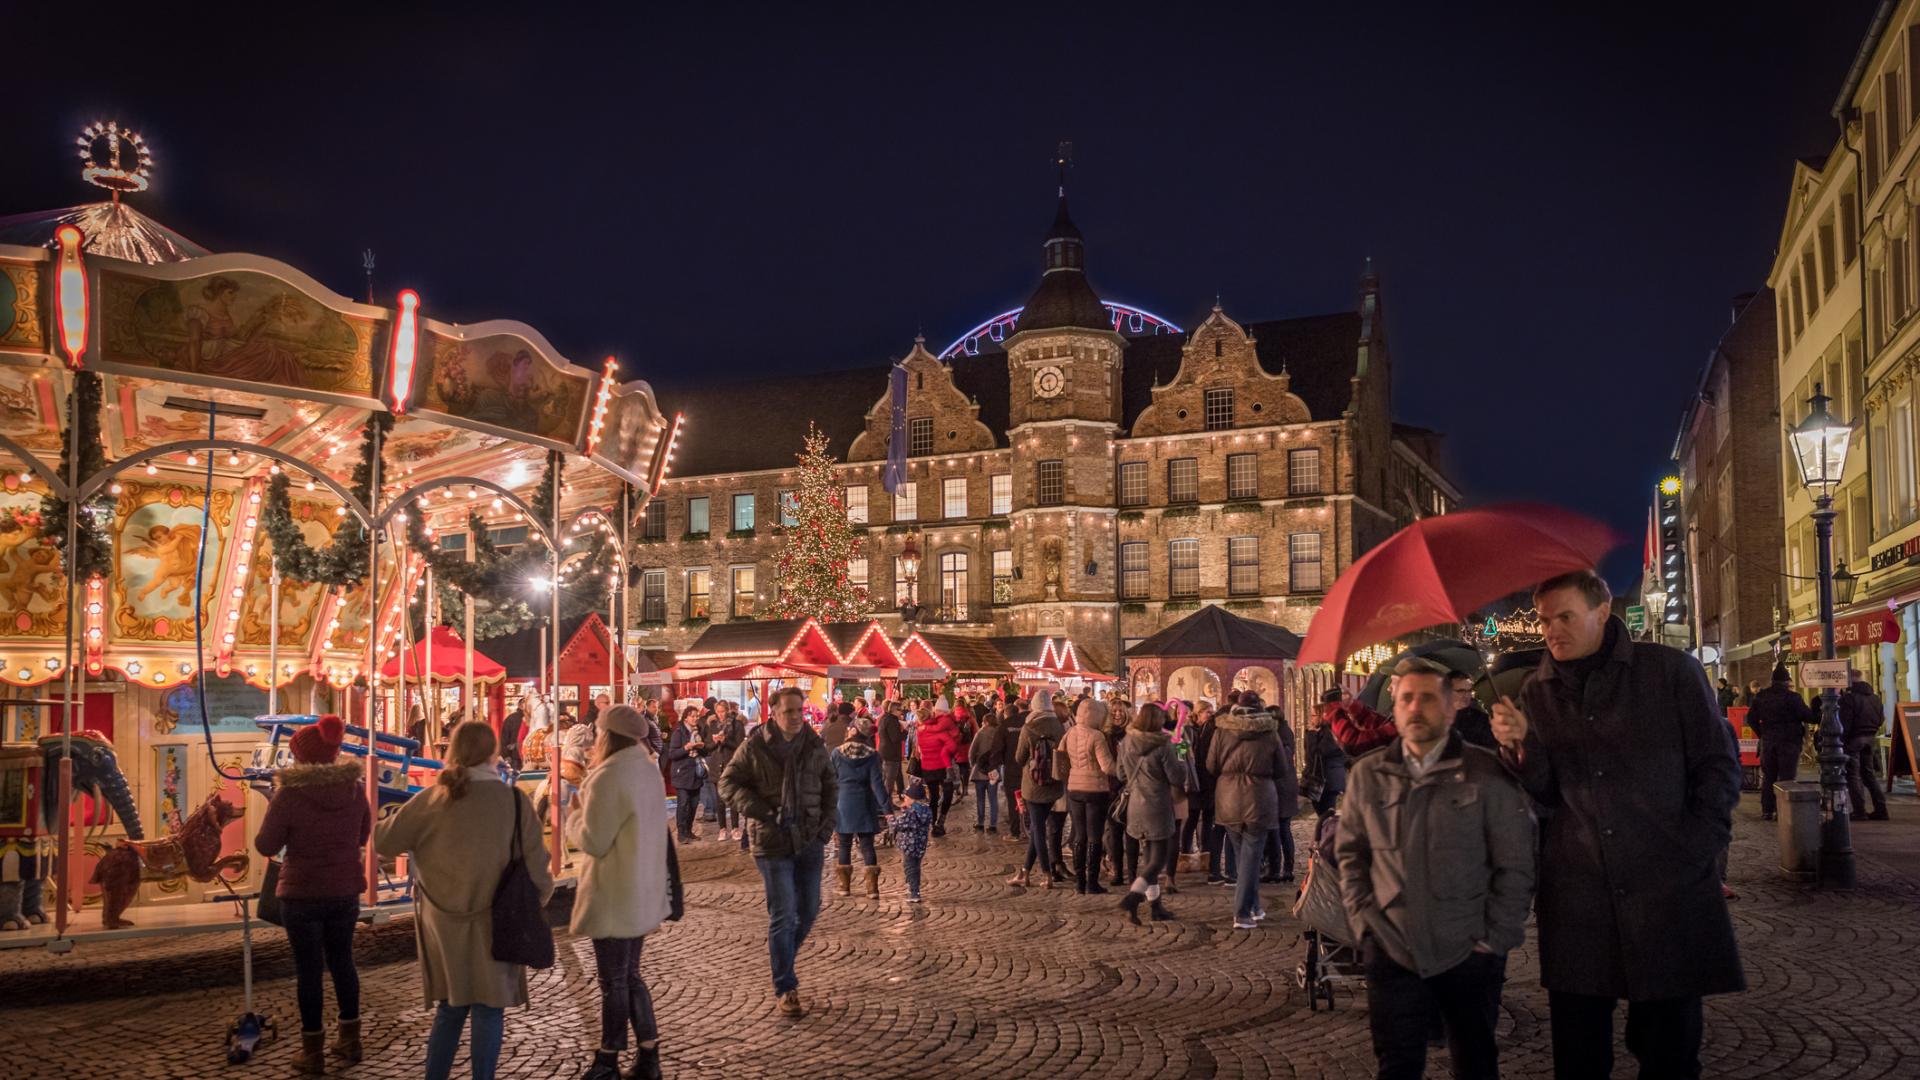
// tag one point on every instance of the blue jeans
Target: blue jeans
(489, 1024)
(793, 900)
(986, 803)
(1041, 839)
(1247, 845)
(910, 866)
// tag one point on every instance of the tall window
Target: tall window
(1002, 494)
(1243, 476)
(743, 592)
(1219, 408)
(697, 516)
(953, 585)
(1183, 480)
(743, 512)
(920, 436)
(1811, 272)
(1303, 472)
(699, 589)
(1243, 565)
(1133, 483)
(906, 501)
(654, 525)
(1050, 483)
(1133, 570)
(1849, 230)
(789, 509)
(902, 584)
(1183, 568)
(857, 504)
(857, 571)
(1899, 470)
(653, 596)
(1828, 277)
(1003, 576)
(1303, 562)
(953, 497)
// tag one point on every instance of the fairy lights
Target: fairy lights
(600, 401)
(106, 169)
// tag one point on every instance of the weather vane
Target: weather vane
(104, 167)
(1063, 159)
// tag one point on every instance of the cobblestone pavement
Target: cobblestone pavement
(983, 980)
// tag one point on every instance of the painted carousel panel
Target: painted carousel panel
(156, 533)
(33, 594)
(21, 328)
(238, 326)
(502, 378)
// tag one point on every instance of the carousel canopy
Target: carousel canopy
(1214, 631)
(448, 663)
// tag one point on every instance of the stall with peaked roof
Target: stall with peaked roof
(1039, 658)
(1212, 651)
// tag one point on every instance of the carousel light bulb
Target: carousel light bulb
(26, 477)
(114, 488)
(193, 459)
(233, 459)
(339, 511)
(153, 470)
(309, 485)
(273, 470)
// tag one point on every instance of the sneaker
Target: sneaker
(1245, 924)
(789, 1005)
(914, 898)
(1216, 879)
(1259, 916)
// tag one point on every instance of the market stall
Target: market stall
(1213, 650)
(443, 675)
(976, 666)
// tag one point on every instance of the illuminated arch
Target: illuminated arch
(1127, 319)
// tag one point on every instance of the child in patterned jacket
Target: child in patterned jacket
(911, 827)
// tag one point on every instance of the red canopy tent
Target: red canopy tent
(448, 667)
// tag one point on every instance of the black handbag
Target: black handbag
(520, 931)
(267, 908)
(1117, 813)
(676, 892)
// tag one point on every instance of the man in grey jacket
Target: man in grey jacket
(1436, 869)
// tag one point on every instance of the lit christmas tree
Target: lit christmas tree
(812, 575)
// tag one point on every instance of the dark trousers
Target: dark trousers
(1862, 783)
(1401, 1004)
(910, 869)
(1013, 806)
(686, 805)
(1089, 810)
(867, 855)
(894, 775)
(1664, 1036)
(624, 998)
(1038, 837)
(939, 794)
(1778, 761)
(1324, 805)
(1156, 856)
(321, 935)
(1199, 830)
(1123, 850)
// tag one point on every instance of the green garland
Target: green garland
(344, 562)
(491, 618)
(94, 549)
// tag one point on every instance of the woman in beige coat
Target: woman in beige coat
(620, 828)
(460, 834)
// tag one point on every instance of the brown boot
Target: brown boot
(313, 1053)
(346, 1045)
(873, 883)
(789, 1005)
(843, 875)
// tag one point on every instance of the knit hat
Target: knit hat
(625, 720)
(943, 705)
(318, 743)
(917, 789)
(1780, 674)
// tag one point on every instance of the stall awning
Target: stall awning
(449, 664)
(1867, 628)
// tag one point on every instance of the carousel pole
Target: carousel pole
(373, 635)
(556, 470)
(466, 695)
(273, 638)
(626, 587)
(427, 690)
(64, 853)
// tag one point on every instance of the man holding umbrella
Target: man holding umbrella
(1624, 742)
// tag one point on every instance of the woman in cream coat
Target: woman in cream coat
(460, 833)
(621, 830)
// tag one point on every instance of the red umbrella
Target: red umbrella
(1442, 569)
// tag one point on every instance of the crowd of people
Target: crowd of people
(1598, 798)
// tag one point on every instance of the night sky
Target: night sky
(1561, 205)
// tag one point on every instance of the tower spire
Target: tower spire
(1063, 160)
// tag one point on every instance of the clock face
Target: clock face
(1048, 382)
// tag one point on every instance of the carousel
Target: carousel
(237, 500)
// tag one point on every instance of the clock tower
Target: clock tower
(1064, 354)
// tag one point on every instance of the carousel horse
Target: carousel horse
(191, 851)
(96, 772)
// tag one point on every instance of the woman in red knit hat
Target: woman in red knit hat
(319, 815)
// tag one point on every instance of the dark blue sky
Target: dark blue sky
(1561, 205)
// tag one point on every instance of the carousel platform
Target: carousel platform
(214, 916)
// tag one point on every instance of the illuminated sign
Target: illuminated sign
(406, 342)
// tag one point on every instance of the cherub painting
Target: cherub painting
(32, 584)
(157, 538)
(173, 549)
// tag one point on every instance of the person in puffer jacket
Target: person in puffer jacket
(862, 802)
(1090, 772)
(939, 739)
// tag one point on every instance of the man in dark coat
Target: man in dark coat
(1861, 716)
(1624, 742)
(1201, 830)
(1012, 719)
(1469, 719)
(891, 741)
(1780, 717)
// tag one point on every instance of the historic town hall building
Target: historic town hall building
(1077, 468)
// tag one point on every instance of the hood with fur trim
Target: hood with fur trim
(1248, 722)
(338, 772)
(855, 748)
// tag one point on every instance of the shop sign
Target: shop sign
(1896, 554)
(852, 671)
(1872, 628)
(1823, 674)
(920, 674)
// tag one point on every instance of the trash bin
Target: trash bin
(1799, 828)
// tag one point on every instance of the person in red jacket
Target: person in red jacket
(319, 816)
(1355, 727)
(939, 740)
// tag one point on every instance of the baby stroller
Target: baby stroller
(1332, 956)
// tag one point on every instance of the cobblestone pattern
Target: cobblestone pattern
(987, 981)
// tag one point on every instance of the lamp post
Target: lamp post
(1820, 450)
(910, 566)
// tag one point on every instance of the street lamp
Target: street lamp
(1820, 449)
(910, 566)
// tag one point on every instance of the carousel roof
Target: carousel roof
(113, 229)
(1214, 631)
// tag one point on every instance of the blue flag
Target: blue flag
(896, 473)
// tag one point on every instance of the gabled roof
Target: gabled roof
(745, 640)
(1214, 631)
(1026, 649)
(963, 653)
(863, 644)
(519, 652)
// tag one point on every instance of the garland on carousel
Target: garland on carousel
(94, 554)
(343, 562)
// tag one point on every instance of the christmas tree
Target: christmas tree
(812, 576)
